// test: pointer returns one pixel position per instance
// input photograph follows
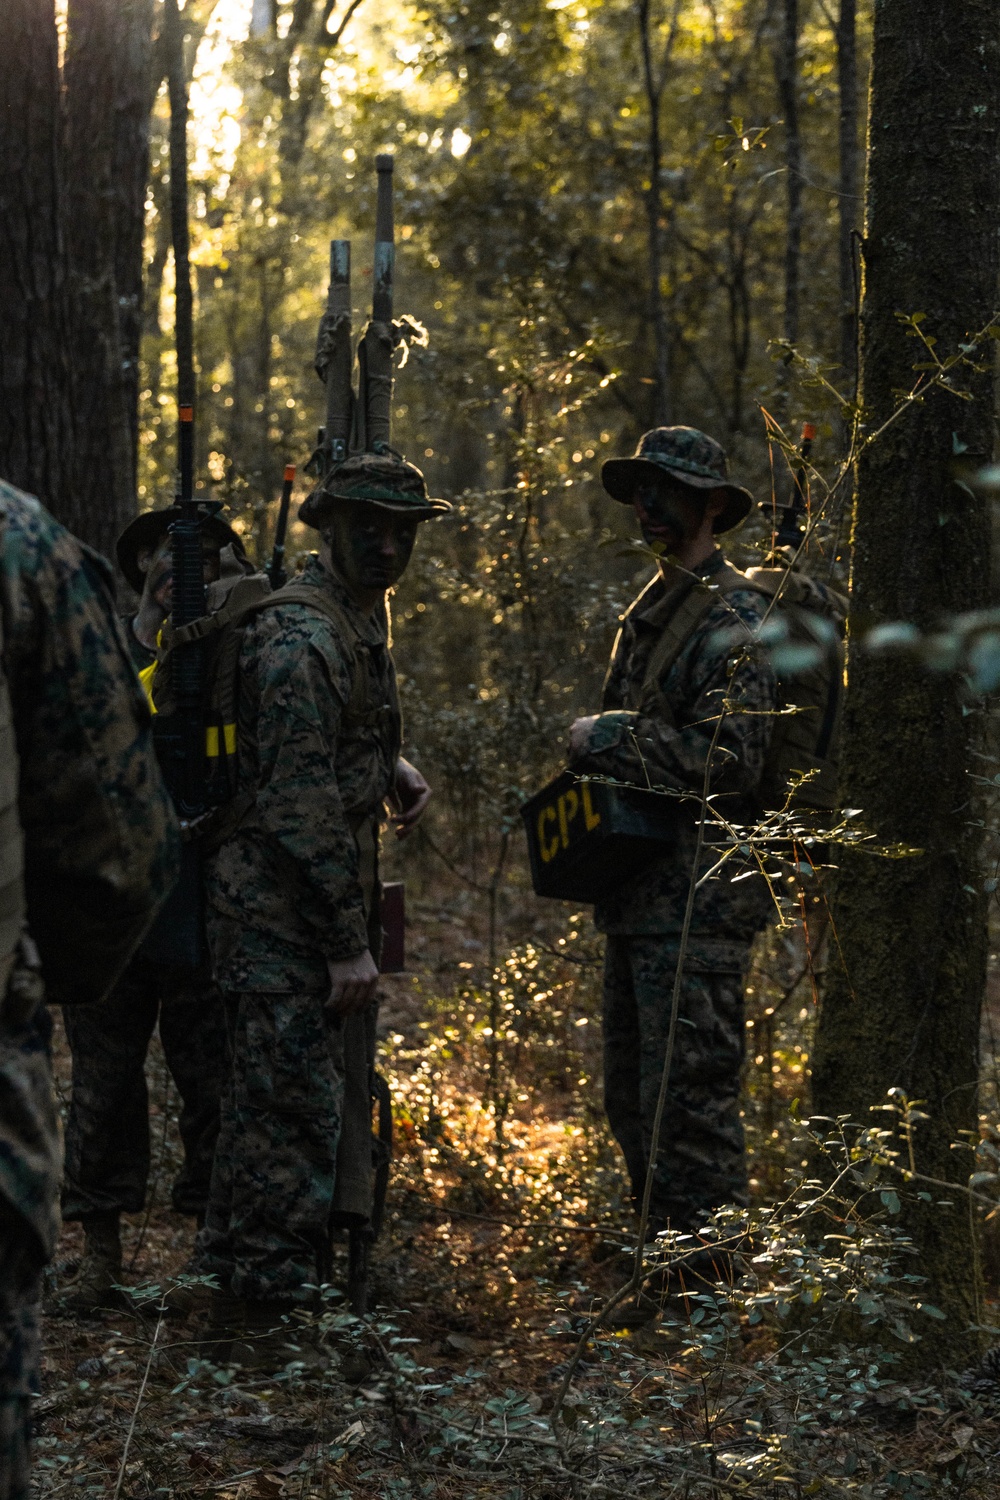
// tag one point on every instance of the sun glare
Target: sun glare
(216, 101)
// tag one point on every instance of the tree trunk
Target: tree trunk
(654, 214)
(847, 77)
(908, 967)
(36, 429)
(787, 74)
(107, 90)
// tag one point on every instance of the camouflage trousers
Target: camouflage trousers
(277, 1177)
(700, 1162)
(107, 1132)
(20, 1349)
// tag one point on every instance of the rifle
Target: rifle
(177, 936)
(361, 422)
(790, 529)
(276, 571)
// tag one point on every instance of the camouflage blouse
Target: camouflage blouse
(100, 838)
(665, 740)
(285, 891)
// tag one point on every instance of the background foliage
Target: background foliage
(523, 162)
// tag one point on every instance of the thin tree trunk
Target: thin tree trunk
(36, 429)
(107, 158)
(847, 76)
(787, 73)
(654, 214)
(907, 969)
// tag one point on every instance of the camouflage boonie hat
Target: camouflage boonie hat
(382, 479)
(687, 455)
(146, 531)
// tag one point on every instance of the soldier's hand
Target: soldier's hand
(579, 734)
(410, 796)
(353, 982)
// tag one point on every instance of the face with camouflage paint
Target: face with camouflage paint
(668, 512)
(157, 565)
(369, 546)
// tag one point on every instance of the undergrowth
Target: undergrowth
(500, 1363)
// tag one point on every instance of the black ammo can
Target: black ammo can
(587, 836)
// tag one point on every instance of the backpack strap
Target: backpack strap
(227, 819)
(358, 707)
(682, 623)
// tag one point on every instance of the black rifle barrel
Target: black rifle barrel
(276, 572)
(179, 225)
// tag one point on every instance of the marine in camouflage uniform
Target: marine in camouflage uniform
(663, 733)
(100, 853)
(292, 904)
(107, 1129)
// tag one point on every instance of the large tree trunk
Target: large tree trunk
(36, 433)
(907, 969)
(107, 78)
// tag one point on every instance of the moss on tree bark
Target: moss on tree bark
(908, 964)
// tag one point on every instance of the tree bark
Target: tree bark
(106, 74)
(36, 429)
(908, 964)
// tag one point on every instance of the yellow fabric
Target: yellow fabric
(146, 678)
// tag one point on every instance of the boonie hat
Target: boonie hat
(687, 455)
(146, 531)
(382, 479)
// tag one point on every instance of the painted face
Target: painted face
(668, 512)
(158, 567)
(371, 546)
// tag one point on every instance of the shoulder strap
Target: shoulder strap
(681, 625)
(321, 604)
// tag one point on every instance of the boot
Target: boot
(272, 1335)
(92, 1289)
(260, 1335)
(182, 1300)
(224, 1324)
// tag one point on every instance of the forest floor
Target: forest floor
(505, 1229)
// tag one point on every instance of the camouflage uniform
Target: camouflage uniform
(100, 854)
(287, 893)
(664, 739)
(107, 1129)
